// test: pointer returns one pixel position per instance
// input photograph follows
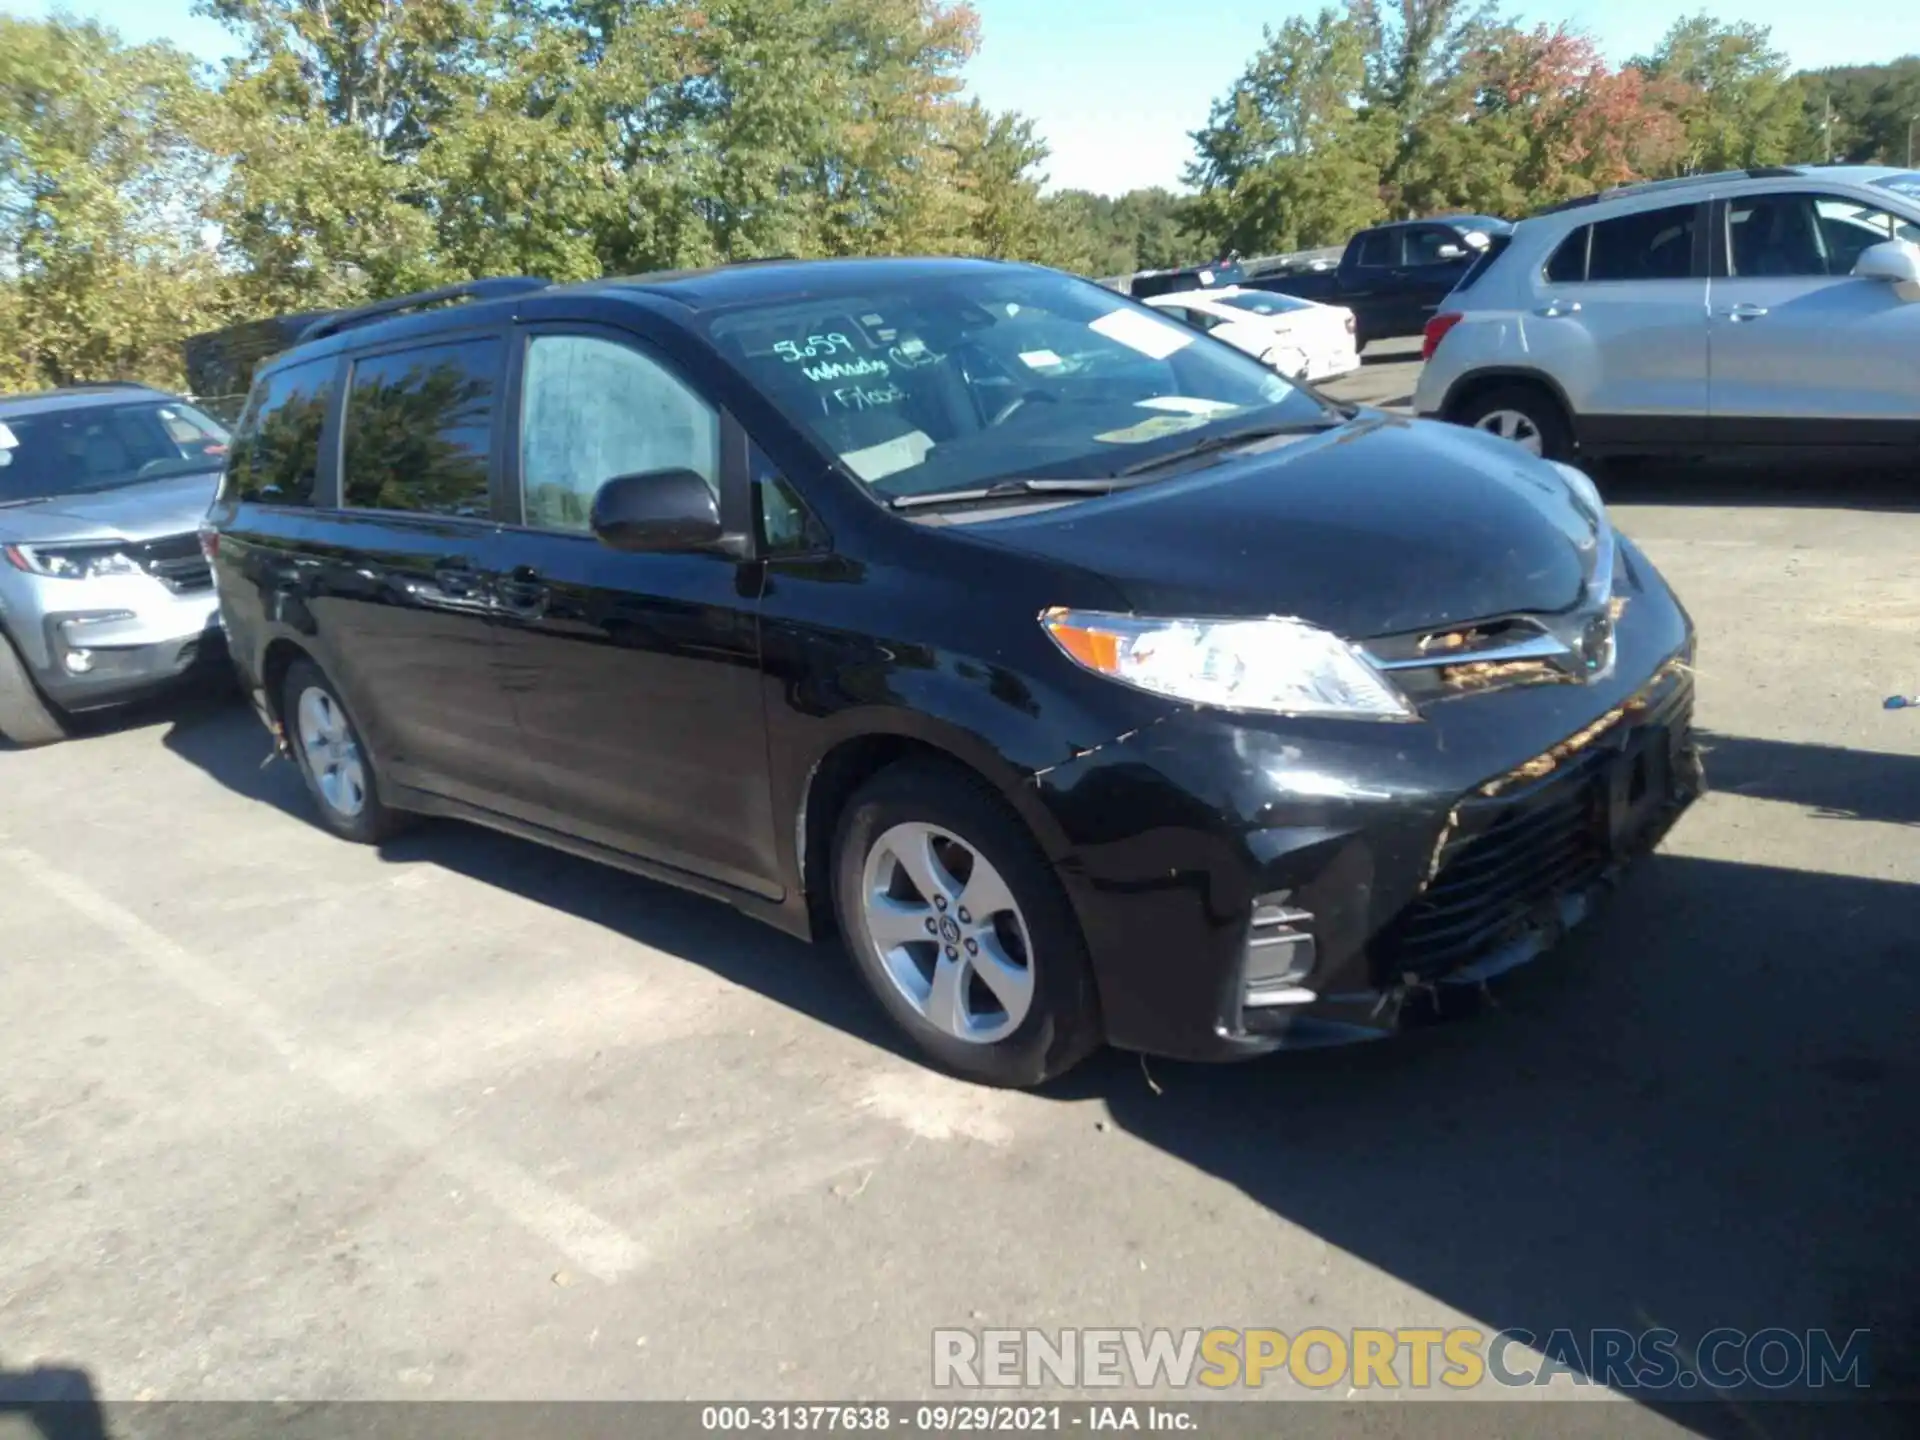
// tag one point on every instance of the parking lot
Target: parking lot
(465, 1118)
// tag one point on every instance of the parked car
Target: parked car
(1297, 337)
(933, 601)
(104, 594)
(1147, 283)
(1392, 277)
(1737, 313)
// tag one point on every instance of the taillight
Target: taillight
(1436, 331)
(1351, 327)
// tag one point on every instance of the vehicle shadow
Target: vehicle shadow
(1836, 783)
(56, 1402)
(1699, 1113)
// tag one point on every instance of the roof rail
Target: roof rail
(1678, 182)
(113, 385)
(497, 288)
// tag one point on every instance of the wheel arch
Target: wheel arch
(879, 741)
(1476, 383)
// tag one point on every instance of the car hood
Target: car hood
(145, 511)
(1381, 526)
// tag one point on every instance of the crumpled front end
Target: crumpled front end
(1248, 883)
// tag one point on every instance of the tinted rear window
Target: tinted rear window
(1569, 263)
(1379, 248)
(276, 451)
(1650, 245)
(418, 429)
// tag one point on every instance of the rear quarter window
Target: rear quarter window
(1496, 247)
(275, 455)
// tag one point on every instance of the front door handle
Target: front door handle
(1554, 309)
(457, 585)
(1745, 312)
(522, 592)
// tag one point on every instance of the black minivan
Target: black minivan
(1094, 682)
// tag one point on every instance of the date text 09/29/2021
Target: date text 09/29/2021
(948, 1419)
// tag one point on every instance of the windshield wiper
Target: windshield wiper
(1000, 489)
(1227, 441)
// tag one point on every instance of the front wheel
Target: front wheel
(960, 928)
(1525, 416)
(26, 717)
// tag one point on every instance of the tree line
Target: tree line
(352, 149)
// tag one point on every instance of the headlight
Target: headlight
(72, 562)
(1584, 490)
(1276, 667)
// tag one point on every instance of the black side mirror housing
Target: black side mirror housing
(656, 510)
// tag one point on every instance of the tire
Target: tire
(333, 760)
(1009, 1043)
(1525, 414)
(25, 716)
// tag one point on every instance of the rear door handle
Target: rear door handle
(522, 592)
(1554, 309)
(1745, 312)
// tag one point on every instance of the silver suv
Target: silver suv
(1726, 314)
(104, 593)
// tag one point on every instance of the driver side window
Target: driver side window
(593, 409)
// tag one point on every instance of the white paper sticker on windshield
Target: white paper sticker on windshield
(1184, 405)
(8, 440)
(1040, 359)
(1155, 339)
(1153, 429)
(876, 462)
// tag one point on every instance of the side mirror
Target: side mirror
(656, 510)
(1450, 252)
(1895, 260)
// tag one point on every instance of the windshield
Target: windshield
(81, 450)
(1261, 303)
(969, 378)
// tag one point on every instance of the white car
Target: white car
(1743, 313)
(1302, 339)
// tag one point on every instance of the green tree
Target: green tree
(1734, 97)
(101, 183)
(1288, 158)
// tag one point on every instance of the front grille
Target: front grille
(176, 562)
(1510, 856)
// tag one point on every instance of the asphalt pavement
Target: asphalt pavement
(460, 1117)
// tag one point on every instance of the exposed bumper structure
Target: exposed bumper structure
(1247, 885)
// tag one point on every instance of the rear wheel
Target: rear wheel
(960, 928)
(26, 717)
(333, 761)
(1526, 416)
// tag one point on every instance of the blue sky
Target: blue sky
(1116, 85)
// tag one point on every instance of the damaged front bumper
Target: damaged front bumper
(1398, 868)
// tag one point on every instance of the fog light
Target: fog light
(1280, 955)
(78, 662)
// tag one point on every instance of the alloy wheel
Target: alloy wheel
(332, 754)
(948, 933)
(1514, 425)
